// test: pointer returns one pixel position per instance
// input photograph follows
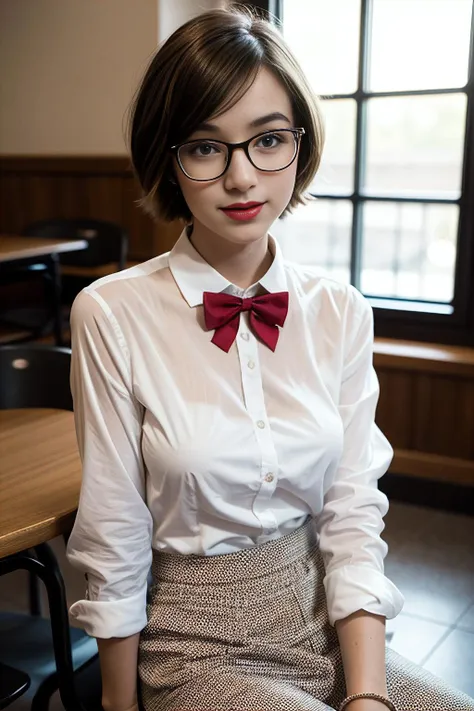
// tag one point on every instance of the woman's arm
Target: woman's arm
(351, 520)
(362, 641)
(359, 595)
(118, 668)
(111, 539)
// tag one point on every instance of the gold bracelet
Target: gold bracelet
(368, 695)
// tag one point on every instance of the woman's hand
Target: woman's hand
(366, 705)
(120, 708)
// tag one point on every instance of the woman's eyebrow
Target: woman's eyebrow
(256, 123)
(275, 116)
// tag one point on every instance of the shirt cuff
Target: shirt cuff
(357, 587)
(111, 618)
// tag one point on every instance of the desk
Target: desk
(13, 247)
(40, 477)
(17, 248)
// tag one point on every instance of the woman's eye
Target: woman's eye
(270, 140)
(203, 150)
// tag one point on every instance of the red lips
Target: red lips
(241, 205)
(243, 211)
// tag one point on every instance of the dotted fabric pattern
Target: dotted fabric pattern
(249, 631)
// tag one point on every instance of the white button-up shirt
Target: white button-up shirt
(189, 449)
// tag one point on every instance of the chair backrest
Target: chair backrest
(107, 241)
(35, 376)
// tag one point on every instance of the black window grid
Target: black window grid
(414, 319)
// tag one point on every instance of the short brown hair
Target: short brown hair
(200, 72)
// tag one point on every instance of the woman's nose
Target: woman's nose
(240, 175)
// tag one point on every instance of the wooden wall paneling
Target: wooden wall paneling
(140, 226)
(34, 199)
(395, 409)
(422, 416)
(71, 196)
(166, 235)
(466, 412)
(425, 357)
(434, 467)
(426, 409)
(104, 198)
(43, 197)
(445, 395)
(11, 203)
(460, 432)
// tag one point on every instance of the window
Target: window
(392, 213)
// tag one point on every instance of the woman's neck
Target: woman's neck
(242, 264)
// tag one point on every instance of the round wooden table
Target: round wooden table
(40, 477)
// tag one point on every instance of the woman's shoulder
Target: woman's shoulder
(124, 289)
(316, 287)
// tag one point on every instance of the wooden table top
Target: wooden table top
(14, 247)
(40, 477)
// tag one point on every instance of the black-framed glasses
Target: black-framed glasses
(270, 151)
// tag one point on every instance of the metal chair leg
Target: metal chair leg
(55, 271)
(46, 568)
(44, 692)
(34, 595)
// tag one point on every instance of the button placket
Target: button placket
(255, 403)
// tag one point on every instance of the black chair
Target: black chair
(108, 242)
(34, 376)
(13, 684)
(107, 248)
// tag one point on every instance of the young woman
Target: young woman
(225, 405)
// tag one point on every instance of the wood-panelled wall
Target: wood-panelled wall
(40, 187)
(426, 406)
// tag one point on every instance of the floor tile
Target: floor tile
(431, 560)
(404, 524)
(466, 622)
(414, 637)
(453, 660)
(436, 594)
(440, 534)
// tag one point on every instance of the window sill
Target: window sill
(428, 357)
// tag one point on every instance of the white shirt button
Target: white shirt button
(269, 477)
(251, 364)
(245, 336)
(261, 424)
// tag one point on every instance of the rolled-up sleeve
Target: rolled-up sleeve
(351, 521)
(111, 539)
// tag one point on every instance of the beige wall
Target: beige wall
(173, 13)
(68, 69)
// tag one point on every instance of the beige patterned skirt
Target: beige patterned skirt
(249, 631)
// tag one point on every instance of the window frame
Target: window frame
(410, 319)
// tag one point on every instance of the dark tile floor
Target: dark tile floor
(431, 559)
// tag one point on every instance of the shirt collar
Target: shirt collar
(194, 275)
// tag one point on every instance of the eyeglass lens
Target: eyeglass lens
(207, 159)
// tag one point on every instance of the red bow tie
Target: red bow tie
(222, 313)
